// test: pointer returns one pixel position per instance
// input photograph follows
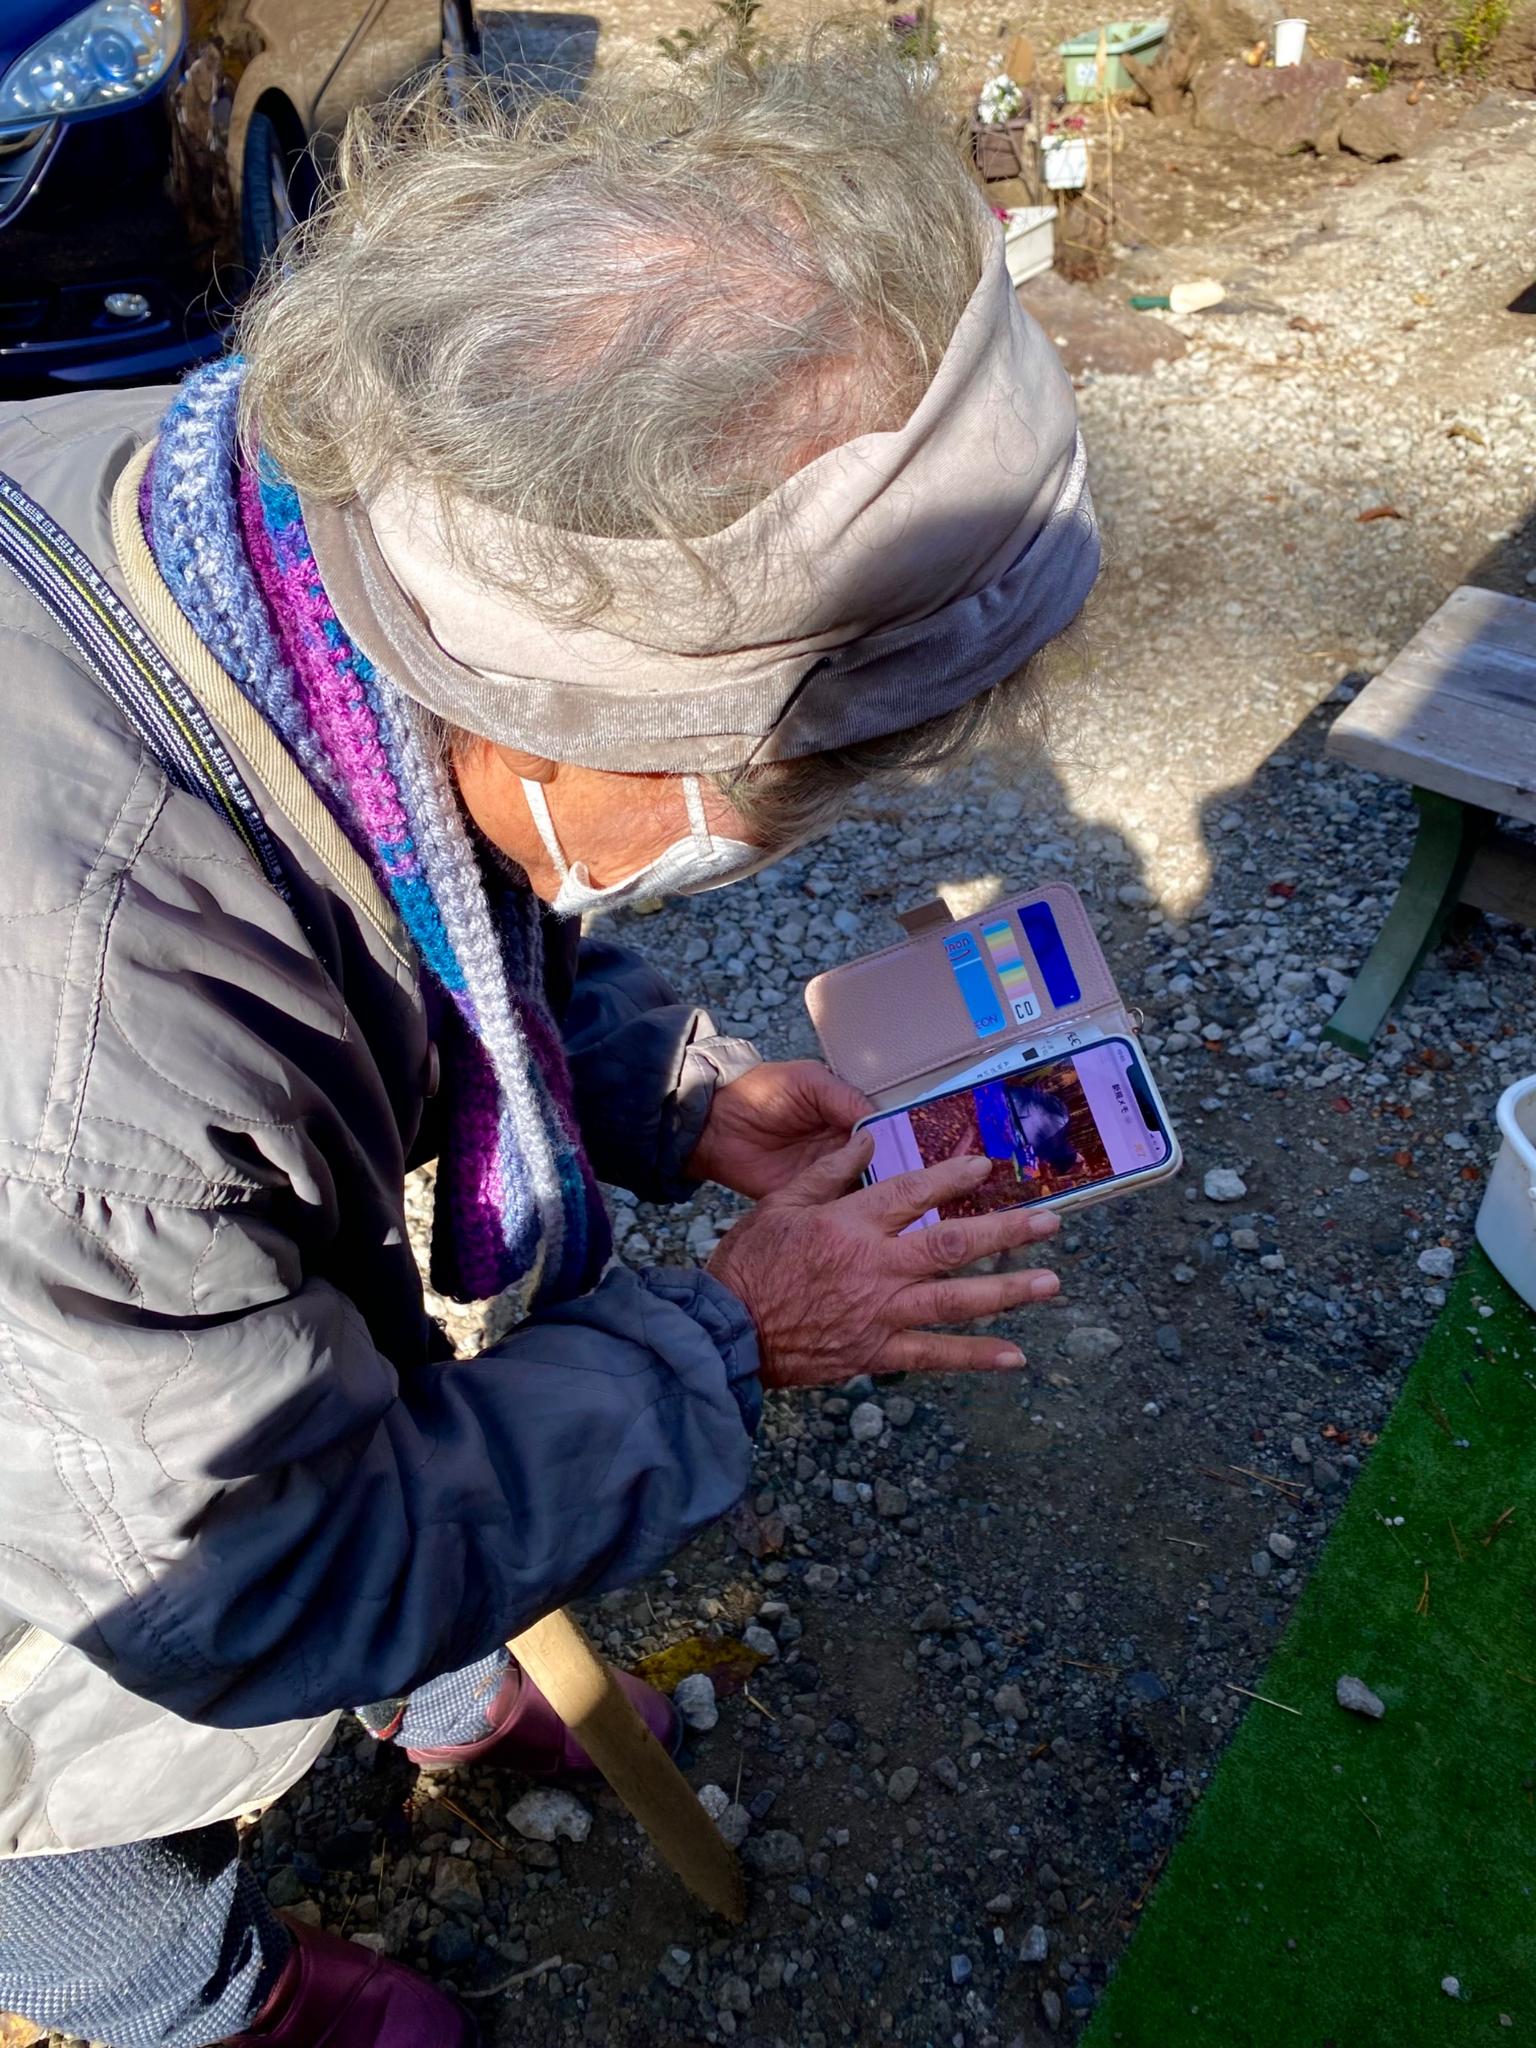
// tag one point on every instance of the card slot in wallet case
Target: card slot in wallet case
(1027, 970)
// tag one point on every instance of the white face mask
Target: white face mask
(685, 868)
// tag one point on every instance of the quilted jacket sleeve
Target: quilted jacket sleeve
(245, 1513)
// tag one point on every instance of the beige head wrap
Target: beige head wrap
(891, 579)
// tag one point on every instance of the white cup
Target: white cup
(1290, 42)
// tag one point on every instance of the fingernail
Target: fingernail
(978, 1168)
(1047, 1223)
(1042, 1285)
(1009, 1355)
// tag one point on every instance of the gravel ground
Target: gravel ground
(1006, 1617)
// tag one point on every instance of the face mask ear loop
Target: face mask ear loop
(693, 797)
(538, 805)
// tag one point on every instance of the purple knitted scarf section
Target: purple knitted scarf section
(518, 1208)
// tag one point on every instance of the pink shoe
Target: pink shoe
(333, 1994)
(529, 1737)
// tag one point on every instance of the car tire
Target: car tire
(277, 188)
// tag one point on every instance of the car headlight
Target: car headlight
(114, 51)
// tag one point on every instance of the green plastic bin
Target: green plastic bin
(1141, 39)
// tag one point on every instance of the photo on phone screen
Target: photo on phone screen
(1081, 1121)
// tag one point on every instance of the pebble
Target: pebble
(866, 1425)
(675, 1966)
(822, 1578)
(1090, 1344)
(1009, 1701)
(547, 1814)
(1282, 1545)
(899, 1411)
(890, 1501)
(1357, 1696)
(1050, 2005)
(776, 1853)
(762, 1640)
(1439, 1262)
(694, 1699)
(1451, 1986)
(959, 1969)
(1036, 1945)
(1224, 1184)
(901, 1784)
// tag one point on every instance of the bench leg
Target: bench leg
(1430, 889)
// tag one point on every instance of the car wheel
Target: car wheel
(276, 189)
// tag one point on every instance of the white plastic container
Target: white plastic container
(1290, 42)
(1065, 161)
(1506, 1222)
(1029, 241)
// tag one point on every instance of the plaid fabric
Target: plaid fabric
(453, 1708)
(165, 1944)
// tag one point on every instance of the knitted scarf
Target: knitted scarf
(517, 1205)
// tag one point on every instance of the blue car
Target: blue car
(153, 152)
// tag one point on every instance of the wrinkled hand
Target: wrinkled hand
(771, 1123)
(835, 1290)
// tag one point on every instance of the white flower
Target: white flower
(1000, 100)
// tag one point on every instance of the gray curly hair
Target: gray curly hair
(633, 316)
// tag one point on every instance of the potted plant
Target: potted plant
(1000, 128)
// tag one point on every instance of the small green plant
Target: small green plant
(1471, 33)
(917, 35)
(1378, 74)
(730, 22)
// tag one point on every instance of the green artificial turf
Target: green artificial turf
(1339, 1868)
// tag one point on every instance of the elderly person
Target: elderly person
(593, 506)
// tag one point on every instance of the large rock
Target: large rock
(1388, 124)
(1200, 32)
(1096, 334)
(1301, 106)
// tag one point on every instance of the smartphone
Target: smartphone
(1064, 1130)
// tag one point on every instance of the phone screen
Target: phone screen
(1049, 1129)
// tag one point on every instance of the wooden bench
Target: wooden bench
(1454, 715)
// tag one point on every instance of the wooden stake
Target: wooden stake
(587, 1697)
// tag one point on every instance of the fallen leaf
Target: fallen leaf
(1303, 325)
(1342, 1104)
(1402, 1159)
(1378, 512)
(1458, 432)
(1285, 889)
(729, 1663)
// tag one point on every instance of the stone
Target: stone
(1050, 2005)
(1009, 1701)
(732, 1819)
(959, 1969)
(866, 1425)
(899, 1410)
(1146, 1686)
(901, 1784)
(675, 1965)
(734, 1994)
(947, 1771)
(762, 1640)
(1097, 334)
(1385, 124)
(455, 1887)
(547, 1813)
(821, 1578)
(285, 1887)
(453, 1945)
(1301, 106)
(1224, 1184)
(1355, 1695)
(890, 1501)
(1090, 1344)
(1035, 1946)
(777, 1853)
(694, 1699)
(1283, 1546)
(1439, 1262)
(1451, 1986)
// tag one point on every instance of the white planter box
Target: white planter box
(1029, 241)
(1506, 1222)
(1065, 159)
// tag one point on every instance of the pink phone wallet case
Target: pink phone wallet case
(1027, 970)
